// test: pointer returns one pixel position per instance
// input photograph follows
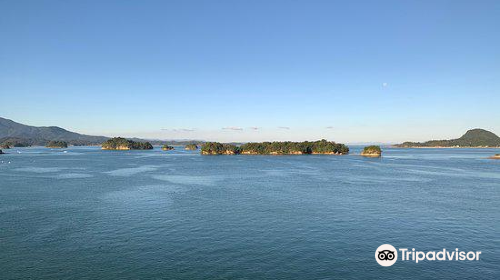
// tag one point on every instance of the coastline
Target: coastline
(371, 155)
(444, 147)
(287, 154)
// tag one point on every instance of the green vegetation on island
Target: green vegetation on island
(191, 147)
(294, 148)
(215, 148)
(167, 147)
(119, 143)
(276, 148)
(372, 151)
(474, 138)
(57, 144)
(21, 145)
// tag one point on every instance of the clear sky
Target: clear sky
(349, 71)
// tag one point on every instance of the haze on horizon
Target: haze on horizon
(357, 71)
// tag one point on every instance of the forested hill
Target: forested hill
(472, 138)
(16, 134)
(11, 131)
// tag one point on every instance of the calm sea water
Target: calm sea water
(83, 213)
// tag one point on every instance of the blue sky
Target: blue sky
(349, 71)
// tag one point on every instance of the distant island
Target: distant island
(191, 147)
(167, 147)
(276, 148)
(119, 143)
(497, 156)
(474, 138)
(372, 151)
(57, 144)
(1, 152)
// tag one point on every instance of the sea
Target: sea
(84, 213)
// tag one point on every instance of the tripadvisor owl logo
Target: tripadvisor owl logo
(386, 255)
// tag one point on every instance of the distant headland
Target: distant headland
(474, 138)
(119, 143)
(276, 148)
(19, 135)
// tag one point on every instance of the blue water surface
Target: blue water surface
(83, 213)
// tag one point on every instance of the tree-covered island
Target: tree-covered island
(119, 143)
(372, 151)
(215, 148)
(57, 144)
(497, 156)
(8, 143)
(167, 147)
(276, 148)
(191, 147)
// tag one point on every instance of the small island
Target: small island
(372, 151)
(167, 147)
(497, 156)
(191, 147)
(57, 144)
(1, 152)
(5, 146)
(119, 143)
(323, 147)
(14, 142)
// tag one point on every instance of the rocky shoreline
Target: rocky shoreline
(117, 148)
(167, 148)
(444, 147)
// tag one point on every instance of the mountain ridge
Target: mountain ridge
(13, 132)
